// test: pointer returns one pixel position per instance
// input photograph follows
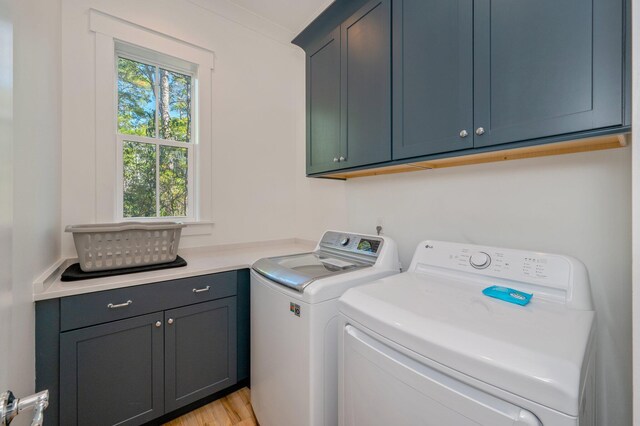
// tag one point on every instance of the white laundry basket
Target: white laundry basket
(105, 246)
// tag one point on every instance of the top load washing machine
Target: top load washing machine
(427, 347)
(294, 325)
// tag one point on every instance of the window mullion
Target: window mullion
(157, 180)
(156, 87)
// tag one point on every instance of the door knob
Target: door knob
(463, 133)
(480, 131)
(10, 406)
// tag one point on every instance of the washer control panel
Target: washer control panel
(352, 243)
(518, 265)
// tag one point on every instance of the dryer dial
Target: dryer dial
(480, 260)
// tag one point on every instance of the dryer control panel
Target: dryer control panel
(554, 275)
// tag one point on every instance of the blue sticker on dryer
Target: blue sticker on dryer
(508, 295)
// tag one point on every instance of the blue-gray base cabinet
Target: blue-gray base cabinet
(132, 355)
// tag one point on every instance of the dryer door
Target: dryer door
(381, 386)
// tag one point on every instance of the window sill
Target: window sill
(200, 227)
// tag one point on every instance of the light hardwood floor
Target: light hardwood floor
(233, 409)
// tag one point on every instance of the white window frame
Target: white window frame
(111, 34)
(191, 146)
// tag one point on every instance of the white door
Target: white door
(381, 386)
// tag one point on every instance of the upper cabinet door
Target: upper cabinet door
(432, 76)
(366, 85)
(546, 67)
(323, 104)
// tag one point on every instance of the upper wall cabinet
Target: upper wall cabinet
(432, 76)
(475, 73)
(366, 85)
(349, 91)
(323, 103)
(546, 67)
(459, 77)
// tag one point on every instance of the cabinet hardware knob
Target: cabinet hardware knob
(119, 305)
(342, 158)
(335, 159)
(200, 290)
(480, 131)
(170, 320)
(158, 323)
(463, 133)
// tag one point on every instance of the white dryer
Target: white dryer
(427, 347)
(294, 325)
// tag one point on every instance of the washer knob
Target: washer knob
(344, 241)
(480, 260)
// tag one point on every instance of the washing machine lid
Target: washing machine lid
(538, 351)
(299, 270)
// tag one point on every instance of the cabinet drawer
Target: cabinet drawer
(111, 305)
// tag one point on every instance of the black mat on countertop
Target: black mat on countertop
(74, 273)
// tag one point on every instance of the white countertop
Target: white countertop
(200, 261)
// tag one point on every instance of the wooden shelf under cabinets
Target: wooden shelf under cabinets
(582, 145)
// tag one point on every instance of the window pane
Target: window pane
(139, 161)
(136, 98)
(173, 181)
(175, 106)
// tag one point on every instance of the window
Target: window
(153, 52)
(155, 137)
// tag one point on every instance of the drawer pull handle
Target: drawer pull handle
(120, 305)
(200, 290)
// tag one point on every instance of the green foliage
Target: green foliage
(139, 179)
(137, 109)
(175, 108)
(173, 181)
(136, 98)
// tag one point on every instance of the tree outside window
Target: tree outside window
(155, 133)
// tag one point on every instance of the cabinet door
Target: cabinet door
(366, 85)
(546, 67)
(432, 76)
(200, 351)
(112, 373)
(323, 104)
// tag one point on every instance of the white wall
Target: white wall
(577, 204)
(258, 113)
(635, 183)
(6, 183)
(34, 229)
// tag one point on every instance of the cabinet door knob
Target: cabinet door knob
(335, 159)
(342, 158)
(463, 133)
(170, 320)
(480, 131)
(158, 323)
